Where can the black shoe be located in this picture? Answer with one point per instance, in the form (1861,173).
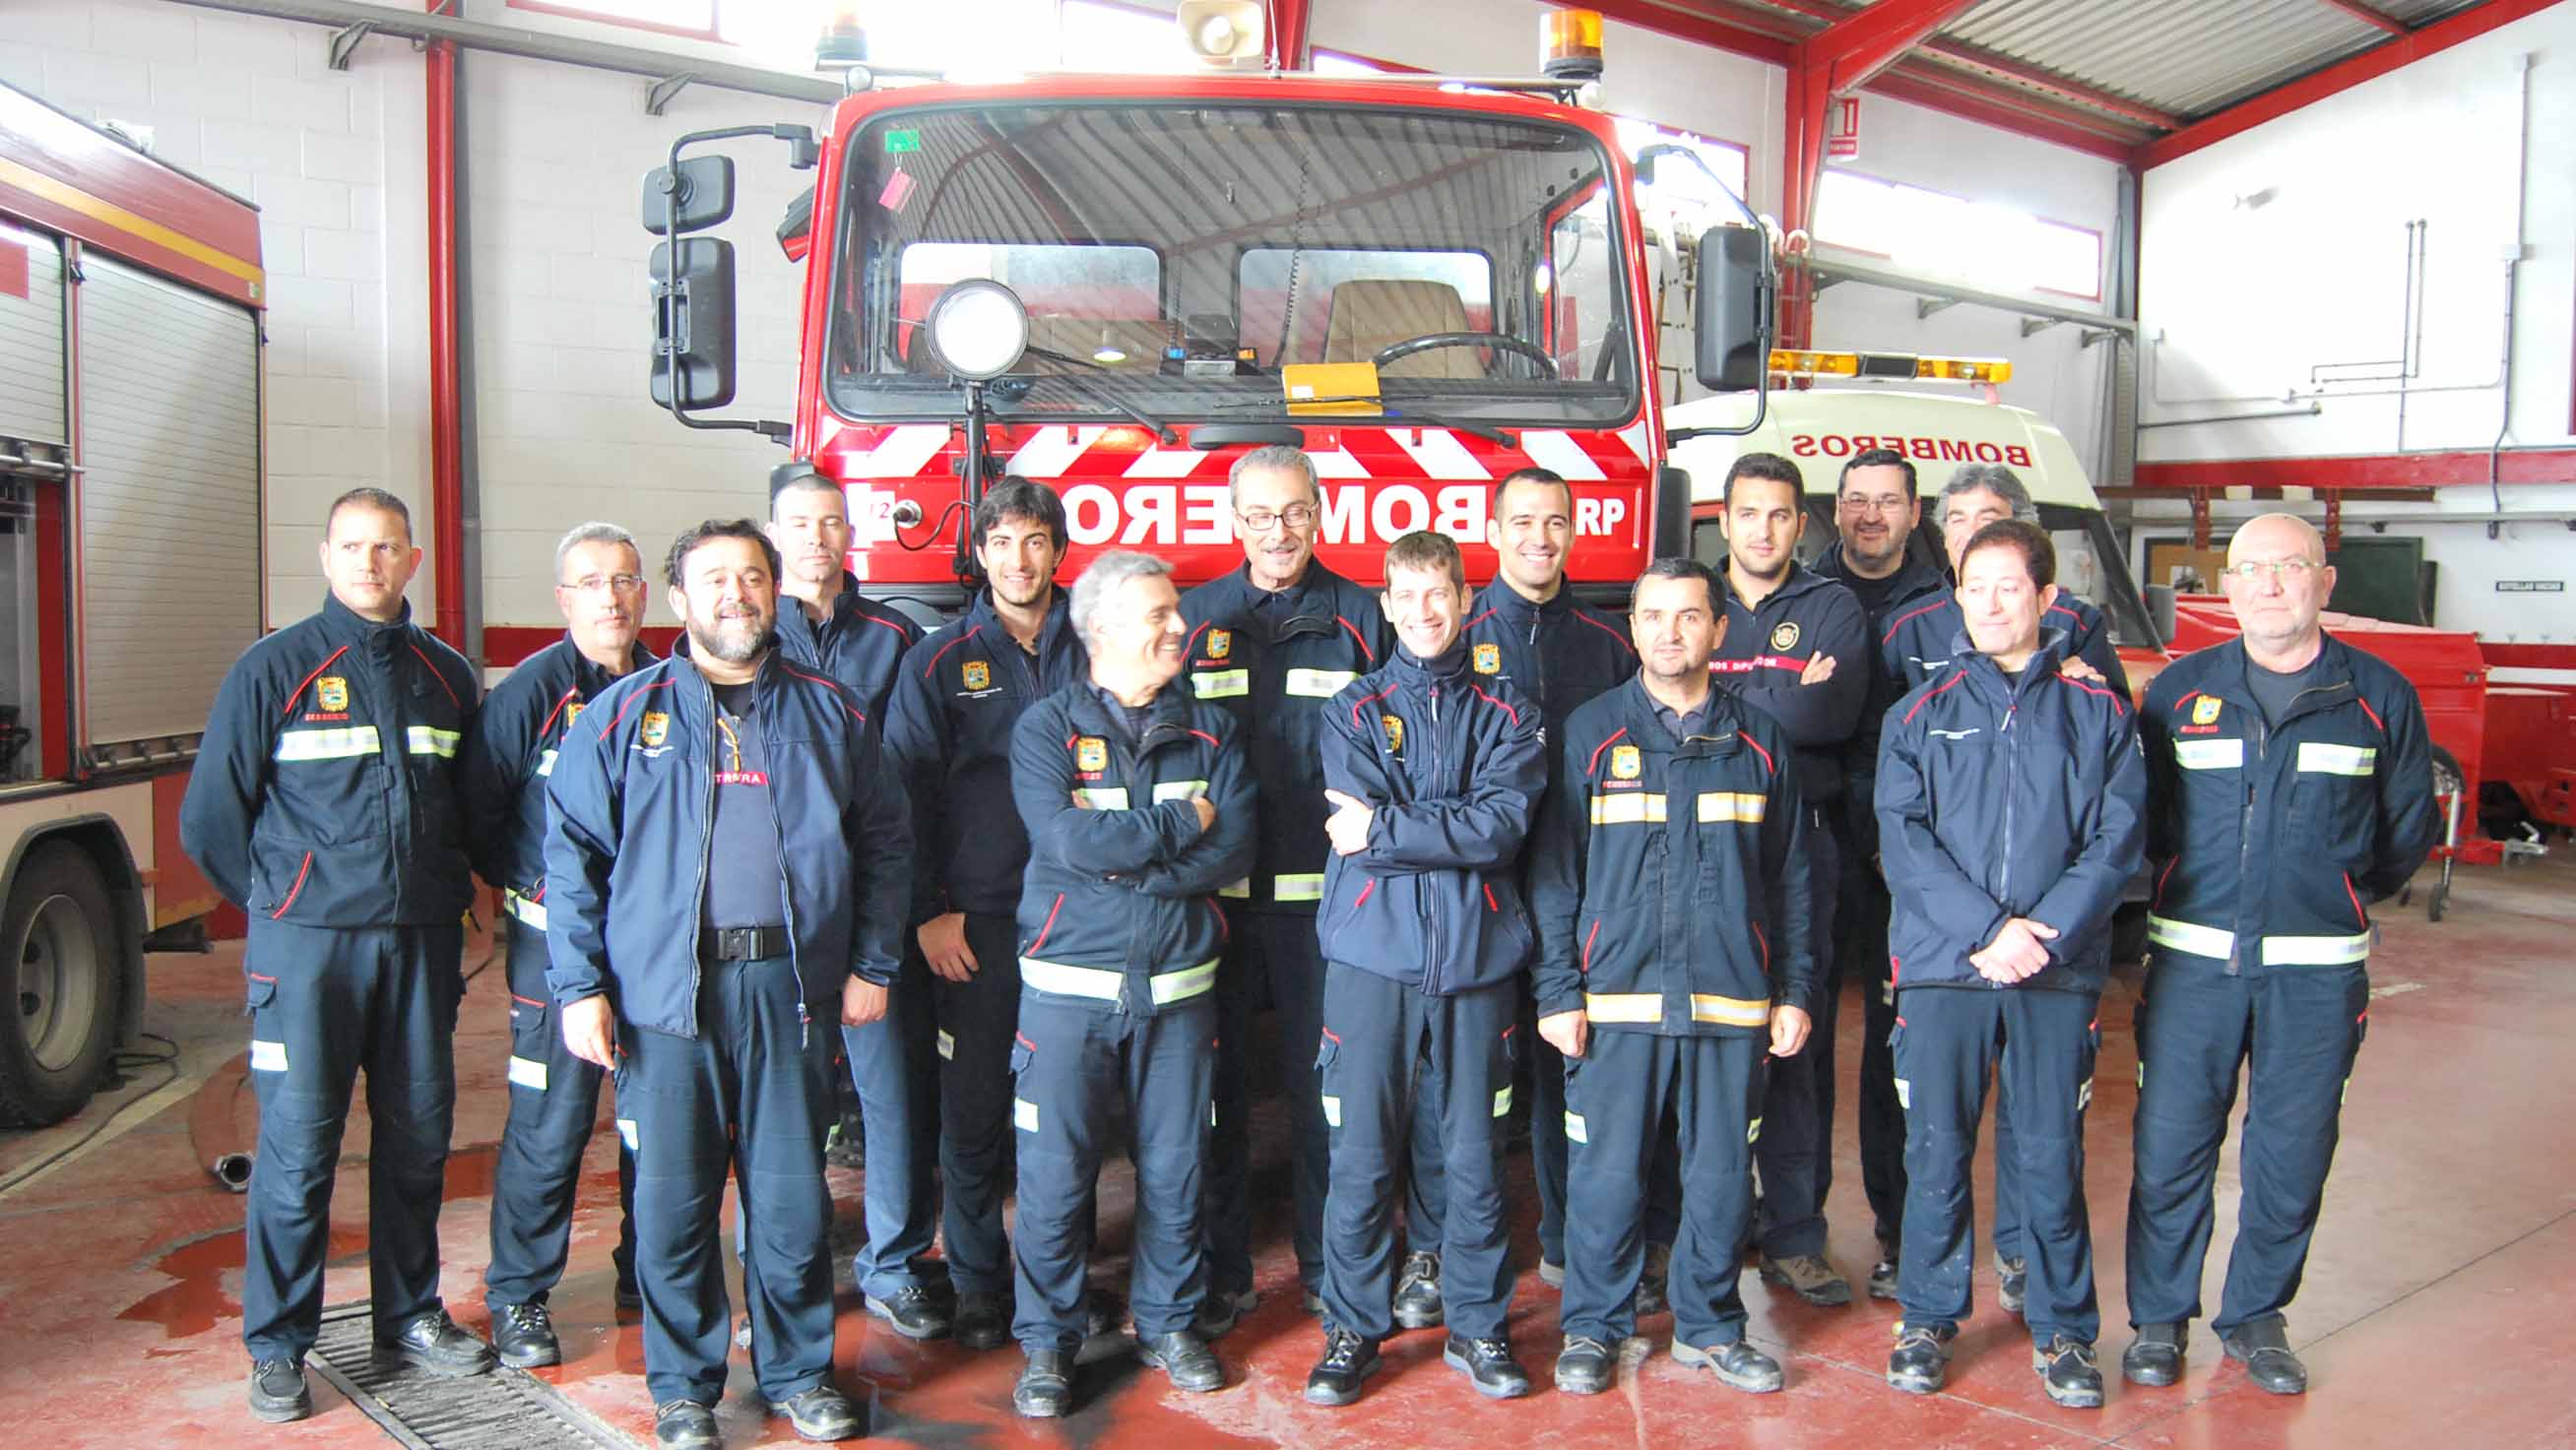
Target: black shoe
(630,1297)
(1045,1388)
(2012,1283)
(2069,1372)
(685,1425)
(2264,1349)
(1882,1275)
(1737,1366)
(1417,1293)
(1348,1359)
(1488,1365)
(1651,1298)
(1922,1359)
(2154,1358)
(821,1413)
(983,1319)
(278,1393)
(1585,1366)
(1220,1311)
(432,1344)
(1812,1277)
(523,1335)
(1311,1302)
(1102,1315)
(913,1311)
(1191,1364)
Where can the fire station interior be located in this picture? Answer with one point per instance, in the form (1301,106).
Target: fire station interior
(526,264)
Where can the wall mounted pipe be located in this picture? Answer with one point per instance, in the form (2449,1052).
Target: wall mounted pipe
(2310,411)
(446,464)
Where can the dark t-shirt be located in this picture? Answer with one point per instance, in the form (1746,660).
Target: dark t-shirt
(744,887)
(1873,592)
(2273,691)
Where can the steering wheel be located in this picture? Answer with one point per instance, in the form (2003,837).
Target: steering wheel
(1505,341)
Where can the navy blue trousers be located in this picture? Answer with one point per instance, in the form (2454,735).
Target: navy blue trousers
(324,1003)
(976,1019)
(1796,1153)
(895,1068)
(554,1103)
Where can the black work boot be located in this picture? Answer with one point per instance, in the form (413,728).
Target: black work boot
(1045,1388)
(913,1312)
(821,1413)
(432,1344)
(1921,1361)
(2012,1283)
(1585,1366)
(523,1335)
(1417,1293)
(1737,1365)
(1654,1279)
(2264,1349)
(1488,1365)
(983,1319)
(685,1425)
(1348,1359)
(2069,1372)
(1190,1363)
(278,1393)
(2154,1358)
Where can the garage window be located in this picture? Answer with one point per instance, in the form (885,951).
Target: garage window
(1930,231)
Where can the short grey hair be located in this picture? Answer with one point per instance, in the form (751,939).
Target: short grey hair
(1275,458)
(1101,578)
(1991,478)
(594,532)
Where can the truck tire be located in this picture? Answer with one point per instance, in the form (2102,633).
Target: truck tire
(59,976)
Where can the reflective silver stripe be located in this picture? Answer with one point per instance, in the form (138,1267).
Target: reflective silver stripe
(546,764)
(267,1056)
(2182,936)
(1628,808)
(531,912)
(2315,951)
(1222,684)
(1179,790)
(527,1072)
(2210,754)
(1101,797)
(1574,1129)
(1905,1092)
(1242,888)
(337,742)
(1732,805)
(626,1132)
(947,1044)
(1649,1007)
(1101,985)
(429,740)
(1024,1115)
(1184,984)
(1297,886)
(1332,1111)
(1318,684)
(2328,759)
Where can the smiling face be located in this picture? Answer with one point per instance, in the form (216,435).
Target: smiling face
(367,555)
(1137,636)
(2001,604)
(1425,606)
(1962,514)
(1875,513)
(727,599)
(1532,534)
(1277,513)
(1763,522)
(1677,628)
(1019,556)
(601,593)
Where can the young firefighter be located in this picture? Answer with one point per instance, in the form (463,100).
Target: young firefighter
(1674,947)
(2011,811)
(1432,778)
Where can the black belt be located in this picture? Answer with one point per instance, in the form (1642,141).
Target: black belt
(742,943)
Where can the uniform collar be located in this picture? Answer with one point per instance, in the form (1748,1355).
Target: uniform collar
(2230,680)
(1504,600)
(1990,676)
(1051,632)
(591,678)
(1721,721)
(1797,581)
(1911,581)
(348,626)
(1447,668)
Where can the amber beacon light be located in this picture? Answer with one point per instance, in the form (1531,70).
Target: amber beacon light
(1569,45)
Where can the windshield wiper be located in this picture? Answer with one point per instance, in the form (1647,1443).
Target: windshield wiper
(1410,413)
(1082,385)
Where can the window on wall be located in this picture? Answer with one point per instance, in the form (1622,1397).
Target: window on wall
(1931,231)
(1679,181)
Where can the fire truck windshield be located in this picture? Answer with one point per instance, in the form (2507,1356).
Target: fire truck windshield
(1174,256)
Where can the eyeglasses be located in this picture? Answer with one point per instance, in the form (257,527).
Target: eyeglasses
(598,583)
(1262,521)
(2254,570)
(1886,503)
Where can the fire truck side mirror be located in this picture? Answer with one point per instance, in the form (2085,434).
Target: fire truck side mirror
(701,193)
(1734,309)
(693,323)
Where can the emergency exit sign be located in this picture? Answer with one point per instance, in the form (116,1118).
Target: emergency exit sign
(2531,586)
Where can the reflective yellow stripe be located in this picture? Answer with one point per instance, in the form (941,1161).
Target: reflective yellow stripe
(1319,684)
(1242,888)
(2182,936)
(1502,1101)
(532,913)
(2315,951)
(2084,1095)
(2210,754)
(1222,684)
(337,742)
(1628,808)
(1179,790)
(429,740)
(527,1072)
(1731,805)
(1101,984)
(1753,1131)
(63,194)
(1297,886)
(1184,984)
(546,764)
(1101,797)
(1649,1007)
(2323,758)
(1332,1111)
(1574,1129)
(1905,1092)
(947,1045)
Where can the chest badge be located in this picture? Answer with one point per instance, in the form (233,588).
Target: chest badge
(572,713)
(1624,762)
(655,729)
(1784,636)
(1090,752)
(2204,711)
(979,675)
(1489,659)
(331,692)
(1220,643)
(1394,733)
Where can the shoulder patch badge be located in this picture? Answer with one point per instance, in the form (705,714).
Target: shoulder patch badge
(1220,643)
(656,728)
(572,712)
(1489,659)
(978,675)
(1785,635)
(1394,733)
(331,692)
(2204,711)
(1090,752)
(1624,762)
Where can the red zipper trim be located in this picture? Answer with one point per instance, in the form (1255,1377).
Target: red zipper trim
(1588,938)
(295,890)
(2358,915)
(1490,903)
(1365,888)
(1050,924)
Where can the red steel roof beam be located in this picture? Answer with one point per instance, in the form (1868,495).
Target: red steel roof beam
(1717,27)
(1290,23)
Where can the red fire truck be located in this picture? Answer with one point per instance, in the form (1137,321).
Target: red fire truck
(131,547)
(1115,285)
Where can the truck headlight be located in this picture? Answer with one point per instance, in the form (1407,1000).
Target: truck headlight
(978,328)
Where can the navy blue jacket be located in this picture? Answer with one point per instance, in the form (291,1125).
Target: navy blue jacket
(1271,661)
(325,791)
(960,693)
(2286,832)
(1561,655)
(632,822)
(860,643)
(1671,890)
(1454,771)
(1915,581)
(1918,642)
(2003,796)
(511,752)
(1126,882)
(1766,649)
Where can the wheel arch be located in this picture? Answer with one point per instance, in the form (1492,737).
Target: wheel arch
(98,837)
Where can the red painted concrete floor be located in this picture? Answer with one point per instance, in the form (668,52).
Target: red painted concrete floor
(2436,1311)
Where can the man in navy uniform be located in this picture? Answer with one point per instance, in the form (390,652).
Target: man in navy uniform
(725,878)
(957,699)
(554,1096)
(2291,788)
(325,804)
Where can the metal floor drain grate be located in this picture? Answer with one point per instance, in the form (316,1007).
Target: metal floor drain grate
(504,1410)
